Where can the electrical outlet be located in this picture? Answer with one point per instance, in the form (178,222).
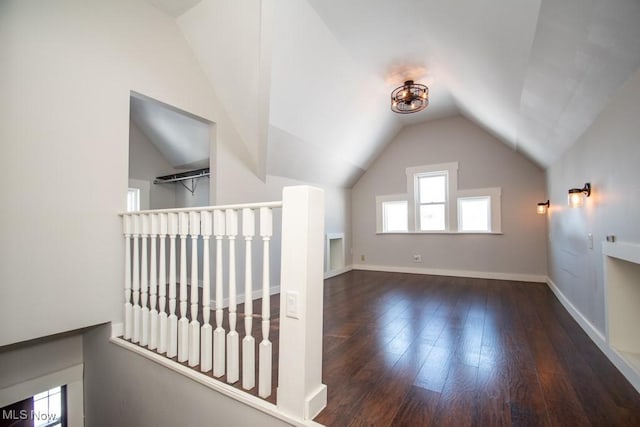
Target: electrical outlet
(361,257)
(417,258)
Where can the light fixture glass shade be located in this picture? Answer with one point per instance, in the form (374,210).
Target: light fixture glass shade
(578,195)
(576,198)
(409,98)
(542,208)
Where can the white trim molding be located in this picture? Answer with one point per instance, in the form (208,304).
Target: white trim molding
(518,277)
(596,336)
(337,272)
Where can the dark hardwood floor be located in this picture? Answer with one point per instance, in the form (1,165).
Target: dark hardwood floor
(415,350)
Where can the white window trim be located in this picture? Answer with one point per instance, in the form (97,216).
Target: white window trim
(495,195)
(380,215)
(451,209)
(145,191)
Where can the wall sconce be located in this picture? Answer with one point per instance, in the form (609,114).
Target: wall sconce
(577,195)
(542,207)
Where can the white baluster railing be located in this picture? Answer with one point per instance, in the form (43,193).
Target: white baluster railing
(128,307)
(153,283)
(206,333)
(144,282)
(162,285)
(248,342)
(150,321)
(183,322)
(135,336)
(172,336)
(194,326)
(266,352)
(219,335)
(233,346)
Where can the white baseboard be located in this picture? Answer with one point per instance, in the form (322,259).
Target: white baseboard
(456,273)
(337,272)
(597,337)
(257,294)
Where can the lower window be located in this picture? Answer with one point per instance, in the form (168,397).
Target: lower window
(474,214)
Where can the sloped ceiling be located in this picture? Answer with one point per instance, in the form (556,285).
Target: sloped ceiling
(533,73)
(183,140)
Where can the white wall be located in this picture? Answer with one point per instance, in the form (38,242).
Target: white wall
(235,183)
(607,155)
(145,164)
(68,69)
(483,162)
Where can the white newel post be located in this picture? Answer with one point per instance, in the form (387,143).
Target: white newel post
(219,333)
(128,307)
(233,345)
(183,321)
(206,332)
(248,342)
(172,320)
(153,284)
(194,326)
(300,389)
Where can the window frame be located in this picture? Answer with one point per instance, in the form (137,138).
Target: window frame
(380,201)
(413,174)
(495,205)
(450,170)
(420,203)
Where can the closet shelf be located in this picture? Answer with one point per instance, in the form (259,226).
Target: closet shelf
(183,176)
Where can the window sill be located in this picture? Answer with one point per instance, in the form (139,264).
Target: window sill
(494,233)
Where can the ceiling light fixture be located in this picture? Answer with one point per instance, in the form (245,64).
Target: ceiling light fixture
(409,98)
(578,195)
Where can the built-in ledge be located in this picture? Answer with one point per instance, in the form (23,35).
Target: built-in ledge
(622,297)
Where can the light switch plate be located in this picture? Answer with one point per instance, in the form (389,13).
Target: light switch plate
(293,304)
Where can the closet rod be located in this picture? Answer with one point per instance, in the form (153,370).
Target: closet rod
(198,173)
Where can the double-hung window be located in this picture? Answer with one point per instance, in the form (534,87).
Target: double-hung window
(434,204)
(432,201)
(431,189)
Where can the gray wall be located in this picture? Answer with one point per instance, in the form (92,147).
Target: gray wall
(608,156)
(483,162)
(125,389)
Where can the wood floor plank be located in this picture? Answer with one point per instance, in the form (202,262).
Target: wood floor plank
(419,350)
(417,409)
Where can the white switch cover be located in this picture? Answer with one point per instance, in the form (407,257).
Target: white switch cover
(292,304)
(590,240)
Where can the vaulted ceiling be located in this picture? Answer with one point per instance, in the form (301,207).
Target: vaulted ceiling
(307,82)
